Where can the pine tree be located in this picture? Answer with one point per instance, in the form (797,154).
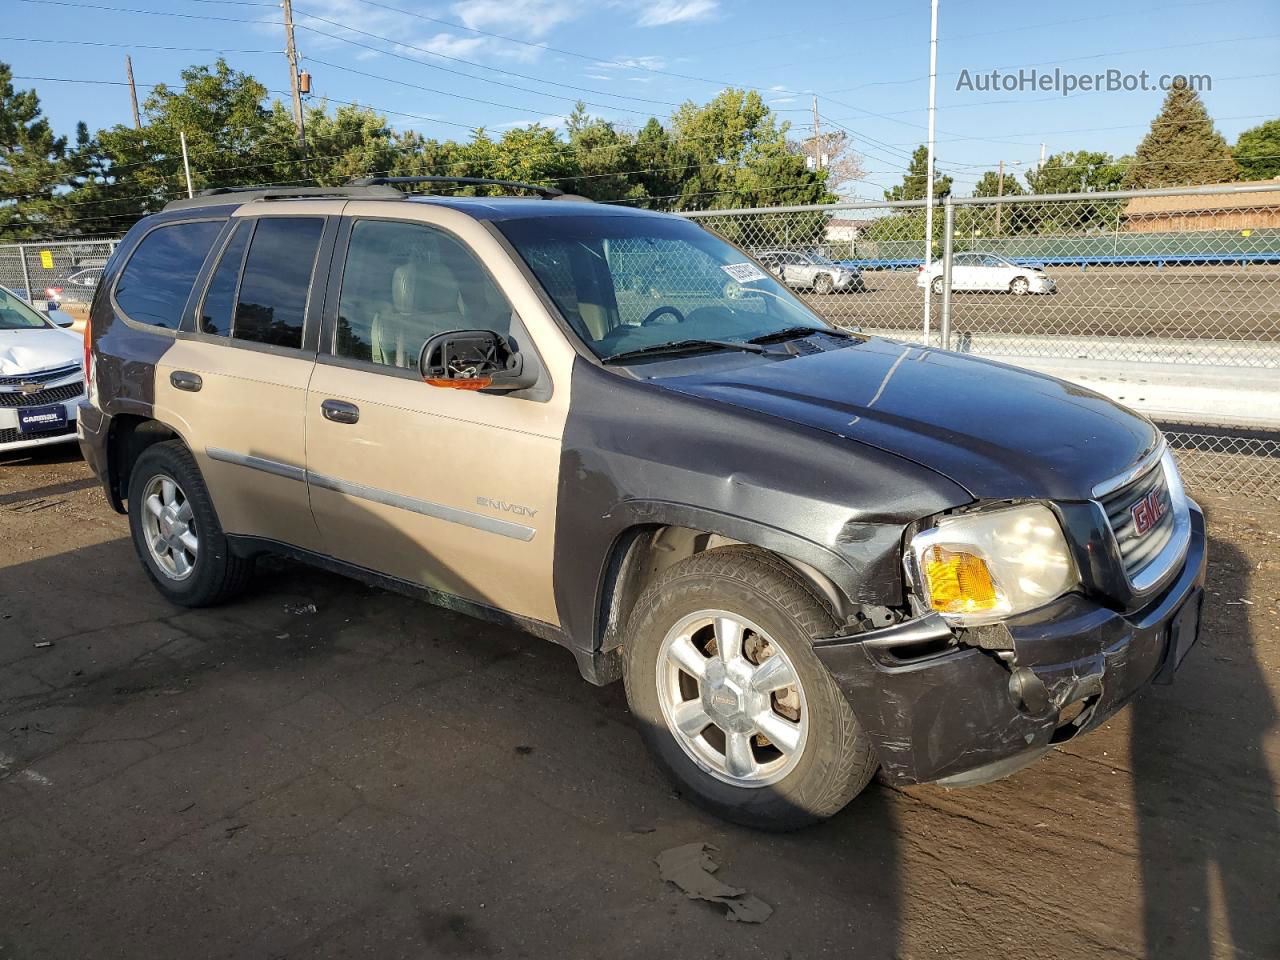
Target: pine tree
(33,163)
(914,184)
(1182,147)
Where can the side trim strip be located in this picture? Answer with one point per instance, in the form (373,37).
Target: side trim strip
(274,467)
(477,521)
(504,528)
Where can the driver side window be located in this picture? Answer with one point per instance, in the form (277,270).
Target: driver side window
(405,282)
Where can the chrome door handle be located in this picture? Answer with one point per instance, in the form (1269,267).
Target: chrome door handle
(182,380)
(339,411)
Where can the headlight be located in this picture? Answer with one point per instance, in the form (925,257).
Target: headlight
(982,567)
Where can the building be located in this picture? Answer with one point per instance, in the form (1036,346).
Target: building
(845,231)
(1248,210)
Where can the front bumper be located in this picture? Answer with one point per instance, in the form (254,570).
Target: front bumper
(12,439)
(962,715)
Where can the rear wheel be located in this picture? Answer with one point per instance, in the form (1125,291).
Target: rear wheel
(1020,286)
(732,700)
(176,531)
(937,286)
(822,283)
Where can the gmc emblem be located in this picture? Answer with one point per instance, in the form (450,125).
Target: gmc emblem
(1147,512)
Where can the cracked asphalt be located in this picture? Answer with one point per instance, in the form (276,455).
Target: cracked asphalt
(383,778)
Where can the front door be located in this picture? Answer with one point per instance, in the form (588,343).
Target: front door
(450,489)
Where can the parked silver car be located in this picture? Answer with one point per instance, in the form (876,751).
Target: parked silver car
(811,271)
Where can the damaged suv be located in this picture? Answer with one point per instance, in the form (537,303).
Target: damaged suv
(810,554)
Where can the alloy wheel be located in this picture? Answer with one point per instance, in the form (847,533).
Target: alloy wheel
(732,698)
(169,527)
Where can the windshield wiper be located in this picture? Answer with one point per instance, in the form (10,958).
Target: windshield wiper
(793,333)
(683,346)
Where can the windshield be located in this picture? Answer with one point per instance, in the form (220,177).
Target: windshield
(16,315)
(625,283)
(819,258)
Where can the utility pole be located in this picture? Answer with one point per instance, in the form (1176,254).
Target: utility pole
(186,163)
(1041,164)
(133,91)
(817,138)
(928,210)
(291,54)
(999,194)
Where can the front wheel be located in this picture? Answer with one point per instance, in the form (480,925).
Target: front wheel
(176,531)
(1020,286)
(732,700)
(822,283)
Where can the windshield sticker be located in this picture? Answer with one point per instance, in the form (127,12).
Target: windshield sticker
(743,272)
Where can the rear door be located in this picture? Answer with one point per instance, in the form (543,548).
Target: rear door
(238,370)
(449,489)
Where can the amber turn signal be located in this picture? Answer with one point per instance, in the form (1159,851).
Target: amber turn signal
(958,582)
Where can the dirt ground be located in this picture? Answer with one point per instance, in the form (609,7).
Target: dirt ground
(382,778)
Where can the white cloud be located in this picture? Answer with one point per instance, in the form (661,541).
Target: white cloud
(659,13)
(554,122)
(647,62)
(522,18)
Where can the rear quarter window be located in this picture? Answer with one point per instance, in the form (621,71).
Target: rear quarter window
(155,283)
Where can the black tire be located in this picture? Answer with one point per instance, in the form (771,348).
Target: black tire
(822,283)
(837,760)
(1020,286)
(217,574)
(937,286)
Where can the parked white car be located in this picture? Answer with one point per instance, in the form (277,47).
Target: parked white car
(811,271)
(41,375)
(987,272)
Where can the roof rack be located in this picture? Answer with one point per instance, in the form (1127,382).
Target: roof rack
(547,193)
(217,195)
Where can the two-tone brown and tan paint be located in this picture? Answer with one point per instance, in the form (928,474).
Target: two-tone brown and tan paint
(415,489)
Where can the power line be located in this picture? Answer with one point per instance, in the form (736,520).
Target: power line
(135,46)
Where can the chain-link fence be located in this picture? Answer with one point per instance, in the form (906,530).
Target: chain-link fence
(63,270)
(1139,279)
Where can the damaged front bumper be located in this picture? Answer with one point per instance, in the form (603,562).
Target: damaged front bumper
(962,714)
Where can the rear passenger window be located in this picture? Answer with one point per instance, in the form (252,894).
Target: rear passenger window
(155,283)
(276,281)
(220,300)
(404,283)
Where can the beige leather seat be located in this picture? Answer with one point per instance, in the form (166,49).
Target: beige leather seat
(426,299)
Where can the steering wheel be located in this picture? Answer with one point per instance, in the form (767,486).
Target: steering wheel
(654,315)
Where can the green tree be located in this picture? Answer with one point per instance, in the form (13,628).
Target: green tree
(915,183)
(989,185)
(34,164)
(1257,151)
(1182,148)
(732,152)
(1077,171)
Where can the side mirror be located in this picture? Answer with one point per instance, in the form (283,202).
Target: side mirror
(474,360)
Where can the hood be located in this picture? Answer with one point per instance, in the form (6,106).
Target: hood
(998,431)
(33,350)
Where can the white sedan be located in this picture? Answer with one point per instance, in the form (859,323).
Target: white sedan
(41,376)
(986,272)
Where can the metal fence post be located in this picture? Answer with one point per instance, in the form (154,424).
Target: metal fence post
(26,274)
(948,244)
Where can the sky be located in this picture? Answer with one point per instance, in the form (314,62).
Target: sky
(444,67)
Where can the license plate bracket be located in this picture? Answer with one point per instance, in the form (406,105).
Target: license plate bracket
(42,419)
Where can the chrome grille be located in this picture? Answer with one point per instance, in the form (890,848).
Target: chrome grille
(68,391)
(1139,549)
(42,376)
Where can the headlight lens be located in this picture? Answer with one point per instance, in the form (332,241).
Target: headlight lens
(982,567)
